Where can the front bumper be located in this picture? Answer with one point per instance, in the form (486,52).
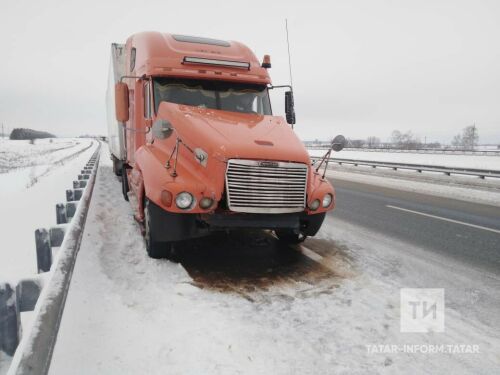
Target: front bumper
(168,226)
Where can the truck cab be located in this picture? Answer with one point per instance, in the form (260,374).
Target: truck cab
(193,136)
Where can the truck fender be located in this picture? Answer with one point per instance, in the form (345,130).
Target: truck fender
(137,185)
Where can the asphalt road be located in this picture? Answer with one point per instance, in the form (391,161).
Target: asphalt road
(466,231)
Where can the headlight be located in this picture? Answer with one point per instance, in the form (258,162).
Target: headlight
(327,200)
(314,205)
(184,200)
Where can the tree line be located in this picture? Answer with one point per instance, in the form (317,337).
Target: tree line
(30,134)
(467,140)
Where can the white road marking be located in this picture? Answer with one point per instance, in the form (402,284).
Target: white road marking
(445,219)
(311,254)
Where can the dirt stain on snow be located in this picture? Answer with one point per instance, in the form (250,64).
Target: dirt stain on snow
(250,262)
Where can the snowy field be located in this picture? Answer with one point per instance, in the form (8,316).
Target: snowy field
(460,161)
(33,179)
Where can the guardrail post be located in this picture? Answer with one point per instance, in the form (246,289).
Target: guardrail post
(74,194)
(56,235)
(10,322)
(78,194)
(43,250)
(70,210)
(28,291)
(61,214)
(79,184)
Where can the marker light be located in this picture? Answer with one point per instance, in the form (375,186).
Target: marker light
(266,61)
(228,63)
(184,200)
(166,198)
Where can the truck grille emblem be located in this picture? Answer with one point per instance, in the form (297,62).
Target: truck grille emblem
(272,164)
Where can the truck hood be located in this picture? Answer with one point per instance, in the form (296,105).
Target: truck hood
(227,135)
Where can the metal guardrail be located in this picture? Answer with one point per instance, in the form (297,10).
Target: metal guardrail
(481,173)
(416,151)
(46,293)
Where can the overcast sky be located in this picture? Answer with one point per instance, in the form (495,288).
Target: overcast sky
(360,68)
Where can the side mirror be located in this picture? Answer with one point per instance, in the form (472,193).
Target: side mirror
(338,143)
(162,129)
(289,107)
(121,102)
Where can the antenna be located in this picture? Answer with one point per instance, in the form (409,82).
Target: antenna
(289,58)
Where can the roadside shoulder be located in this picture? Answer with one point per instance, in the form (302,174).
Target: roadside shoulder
(488,194)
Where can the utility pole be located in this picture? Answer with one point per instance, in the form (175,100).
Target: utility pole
(3,134)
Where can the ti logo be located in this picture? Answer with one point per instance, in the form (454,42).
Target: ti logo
(422,310)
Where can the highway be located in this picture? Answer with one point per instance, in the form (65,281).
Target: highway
(468,232)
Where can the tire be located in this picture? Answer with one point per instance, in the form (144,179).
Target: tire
(125,187)
(289,236)
(155,249)
(117,166)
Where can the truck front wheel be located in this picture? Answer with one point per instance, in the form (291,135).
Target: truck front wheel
(155,249)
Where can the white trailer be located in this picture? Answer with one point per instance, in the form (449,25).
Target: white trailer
(116,130)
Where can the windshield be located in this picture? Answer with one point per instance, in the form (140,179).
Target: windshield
(226,96)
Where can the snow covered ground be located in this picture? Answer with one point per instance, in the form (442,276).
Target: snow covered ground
(243,305)
(463,161)
(33,179)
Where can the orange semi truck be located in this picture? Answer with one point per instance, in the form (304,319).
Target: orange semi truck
(193,137)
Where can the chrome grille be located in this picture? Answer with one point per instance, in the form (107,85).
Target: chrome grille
(266,186)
